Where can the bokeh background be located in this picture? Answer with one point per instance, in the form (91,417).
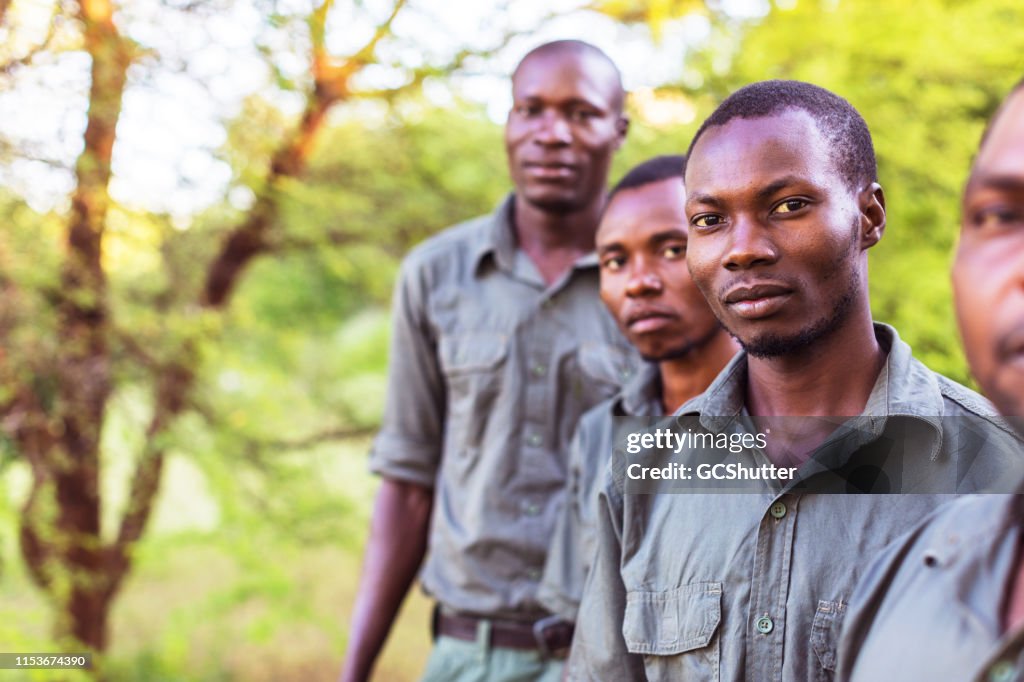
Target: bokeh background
(203,204)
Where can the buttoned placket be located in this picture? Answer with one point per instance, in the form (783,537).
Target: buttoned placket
(539,345)
(769,583)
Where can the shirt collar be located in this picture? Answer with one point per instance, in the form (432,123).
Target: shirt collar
(499,241)
(641,396)
(904,388)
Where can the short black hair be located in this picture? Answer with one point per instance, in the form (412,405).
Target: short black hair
(839,123)
(650,171)
(577,47)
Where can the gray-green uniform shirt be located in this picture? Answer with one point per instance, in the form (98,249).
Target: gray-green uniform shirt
(755,586)
(931,607)
(572,545)
(490,370)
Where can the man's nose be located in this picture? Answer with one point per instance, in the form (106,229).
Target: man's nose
(643,282)
(553,129)
(750,245)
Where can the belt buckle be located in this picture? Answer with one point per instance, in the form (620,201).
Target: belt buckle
(539,628)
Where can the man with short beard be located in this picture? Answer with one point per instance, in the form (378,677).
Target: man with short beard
(499,344)
(783,204)
(641,246)
(947,601)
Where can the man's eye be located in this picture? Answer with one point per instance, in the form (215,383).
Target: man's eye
(527,109)
(998,218)
(708,220)
(790,205)
(612,263)
(582,114)
(674,251)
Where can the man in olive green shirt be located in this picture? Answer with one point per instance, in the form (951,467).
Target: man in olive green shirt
(947,601)
(783,204)
(499,344)
(641,246)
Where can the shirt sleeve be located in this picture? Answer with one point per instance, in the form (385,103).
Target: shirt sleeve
(867,601)
(598,648)
(409,444)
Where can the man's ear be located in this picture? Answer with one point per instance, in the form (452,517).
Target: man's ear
(622,128)
(871,202)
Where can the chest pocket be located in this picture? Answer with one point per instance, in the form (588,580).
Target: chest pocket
(828,619)
(676,631)
(473,365)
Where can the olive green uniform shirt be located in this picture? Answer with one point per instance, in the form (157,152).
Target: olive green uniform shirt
(572,546)
(490,370)
(931,607)
(754,586)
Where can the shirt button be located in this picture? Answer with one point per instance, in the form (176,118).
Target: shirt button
(1001,671)
(533,574)
(539,370)
(778,510)
(764,625)
(531,509)
(534,440)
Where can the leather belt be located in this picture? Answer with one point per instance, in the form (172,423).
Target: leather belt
(550,636)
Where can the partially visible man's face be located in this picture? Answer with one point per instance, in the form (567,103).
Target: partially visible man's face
(641,244)
(564,127)
(988,273)
(774,232)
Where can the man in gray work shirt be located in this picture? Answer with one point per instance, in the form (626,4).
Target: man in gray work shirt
(641,246)
(500,343)
(783,204)
(947,601)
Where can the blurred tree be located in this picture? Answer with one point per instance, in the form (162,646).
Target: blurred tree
(87,313)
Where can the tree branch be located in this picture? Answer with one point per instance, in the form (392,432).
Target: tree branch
(172,390)
(314,439)
(37,552)
(249,239)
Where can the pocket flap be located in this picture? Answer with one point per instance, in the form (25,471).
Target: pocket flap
(472,352)
(667,623)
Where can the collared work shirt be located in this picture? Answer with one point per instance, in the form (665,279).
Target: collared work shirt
(572,545)
(754,586)
(931,607)
(490,370)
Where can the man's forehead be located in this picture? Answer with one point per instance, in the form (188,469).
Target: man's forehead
(1002,153)
(653,205)
(785,130)
(566,67)
(735,154)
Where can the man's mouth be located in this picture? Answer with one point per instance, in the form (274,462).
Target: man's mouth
(1010,348)
(756,301)
(549,170)
(646,321)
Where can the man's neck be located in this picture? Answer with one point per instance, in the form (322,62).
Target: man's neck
(689,376)
(834,377)
(554,241)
